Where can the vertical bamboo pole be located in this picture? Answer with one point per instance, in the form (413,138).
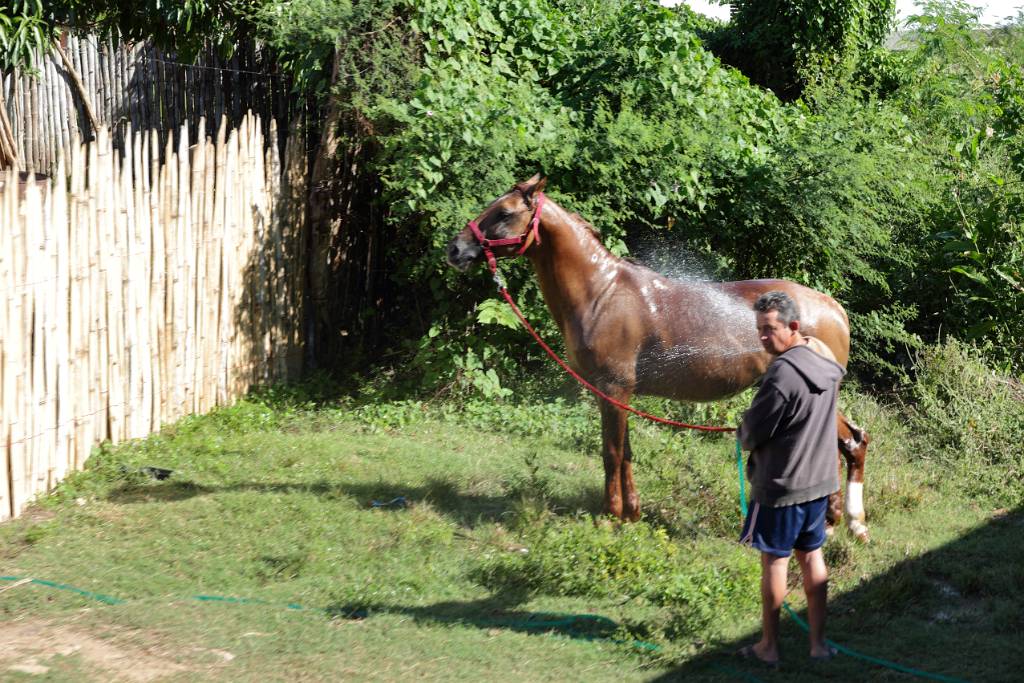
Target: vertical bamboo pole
(69,120)
(211,248)
(132,95)
(14,373)
(97,323)
(29,132)
(184,299)
(131,279)
(58,115)
(48,119)
(229,313)
(216,212)
(78,234)
(61,331)
(142,283)
(157,279)
(244,301)
(93,65)
(6,332)
(35,308)
(261,249)
(112,257)
(18,117)
(50,291)
(110,89)
(28,215)
(167,206)
(201,305)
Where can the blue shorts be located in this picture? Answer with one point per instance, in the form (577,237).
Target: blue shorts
(779,531)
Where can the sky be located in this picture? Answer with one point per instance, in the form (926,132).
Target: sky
(994,10)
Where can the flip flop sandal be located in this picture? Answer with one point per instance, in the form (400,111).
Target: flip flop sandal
(828,657)
(748,653)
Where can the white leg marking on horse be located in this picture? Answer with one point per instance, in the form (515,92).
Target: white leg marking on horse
(855,500)
(855,510)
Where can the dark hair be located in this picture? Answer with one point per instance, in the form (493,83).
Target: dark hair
(779,302)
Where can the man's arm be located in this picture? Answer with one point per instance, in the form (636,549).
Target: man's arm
(763,418)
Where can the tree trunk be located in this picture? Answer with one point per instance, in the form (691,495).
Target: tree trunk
(323,222)
(343,248)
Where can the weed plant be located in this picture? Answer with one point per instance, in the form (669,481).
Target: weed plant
(970,418)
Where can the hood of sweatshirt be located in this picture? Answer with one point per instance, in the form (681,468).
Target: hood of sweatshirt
(819,372)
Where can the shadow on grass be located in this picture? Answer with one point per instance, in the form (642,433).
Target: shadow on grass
(496,612)
(956,612)
(444,495)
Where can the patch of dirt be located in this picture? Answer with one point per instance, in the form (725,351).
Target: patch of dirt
(36,513)
(28,647)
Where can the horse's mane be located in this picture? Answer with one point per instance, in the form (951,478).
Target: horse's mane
(586,224)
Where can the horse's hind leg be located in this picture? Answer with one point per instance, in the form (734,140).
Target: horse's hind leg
(853,445)
(630,499)
(834,511)
(613,452)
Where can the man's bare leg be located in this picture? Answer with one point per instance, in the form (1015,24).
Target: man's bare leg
(815,575)
(774,572)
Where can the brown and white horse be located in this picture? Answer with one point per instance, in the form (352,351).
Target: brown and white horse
(629,330)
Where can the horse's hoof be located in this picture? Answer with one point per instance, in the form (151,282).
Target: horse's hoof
(859,531)
(631,515)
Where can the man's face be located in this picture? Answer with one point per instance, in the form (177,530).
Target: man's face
(776,336)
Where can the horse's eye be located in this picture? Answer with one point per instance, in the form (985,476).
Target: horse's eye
(503,214)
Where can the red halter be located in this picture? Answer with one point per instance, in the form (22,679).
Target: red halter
(526,239)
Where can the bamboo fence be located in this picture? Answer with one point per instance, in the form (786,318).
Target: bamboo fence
(133,86)
(134,292)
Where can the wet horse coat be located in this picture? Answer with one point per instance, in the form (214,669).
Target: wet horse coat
(629,330)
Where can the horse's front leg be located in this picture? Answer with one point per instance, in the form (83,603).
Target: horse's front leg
(853,445)
(620,497)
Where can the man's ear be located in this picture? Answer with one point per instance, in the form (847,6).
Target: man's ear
(530,188)
(794,325)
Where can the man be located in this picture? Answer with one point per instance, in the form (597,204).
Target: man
(790,431)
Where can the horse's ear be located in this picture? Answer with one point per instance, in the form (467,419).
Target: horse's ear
(531,187)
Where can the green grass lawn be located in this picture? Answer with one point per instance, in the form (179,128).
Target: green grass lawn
(498,568)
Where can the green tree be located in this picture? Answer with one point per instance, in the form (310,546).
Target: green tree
(965,99)
(786,44)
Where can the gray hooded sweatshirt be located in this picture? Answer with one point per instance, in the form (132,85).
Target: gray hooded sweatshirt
(790,429)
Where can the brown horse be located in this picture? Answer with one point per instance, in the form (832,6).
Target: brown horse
(629,330)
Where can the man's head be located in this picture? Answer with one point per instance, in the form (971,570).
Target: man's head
(778,322)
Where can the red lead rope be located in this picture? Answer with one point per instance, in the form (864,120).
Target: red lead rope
(588,385)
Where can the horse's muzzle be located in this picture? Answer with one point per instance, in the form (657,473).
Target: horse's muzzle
(462,254)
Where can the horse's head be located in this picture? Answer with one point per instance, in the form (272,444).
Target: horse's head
(505,228)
